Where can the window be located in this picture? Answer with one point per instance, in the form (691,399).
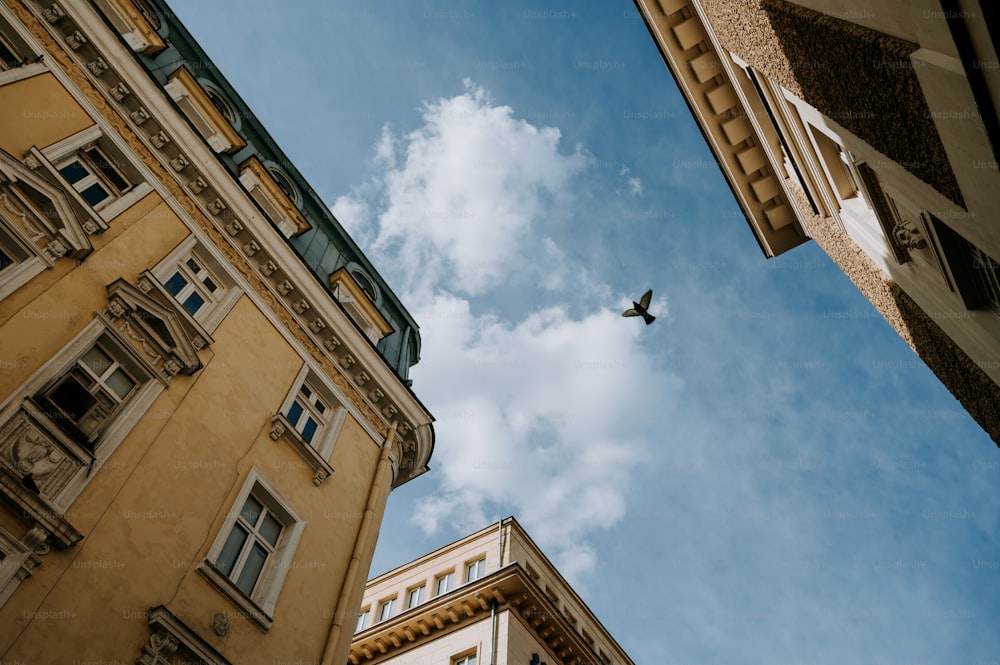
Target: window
(220,104)
(308,412)
(444,584)
(85,399)
(415,596)
(474,570)
(976,275)
(93,165)
(310,420)
(386,609)
(9,58)
(15,53)
(92,173)
(254,549)
(199,282)
(363,619)
(250,544)
(192,284)
(469,659)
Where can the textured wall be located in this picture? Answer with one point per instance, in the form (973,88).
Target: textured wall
(861,78)
(978,394)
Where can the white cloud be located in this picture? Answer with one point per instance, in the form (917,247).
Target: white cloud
(464,190)
(542,416)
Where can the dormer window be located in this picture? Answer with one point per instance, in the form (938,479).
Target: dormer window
(286,186)
(211,117)
(220,103)
(365,284)
(136,21)
(359,304)
(267,191)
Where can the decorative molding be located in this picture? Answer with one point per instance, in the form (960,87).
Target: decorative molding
(281,428)
(170,634)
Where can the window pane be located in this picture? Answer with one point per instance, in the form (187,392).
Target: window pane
(251,568)
(193,265)
(270,530)
(72,398)
(120,382)
(193,303)
(231,550)
(104,165)
(97,360)
(5,260)
(176,283)
(294,413)
(74,171)
(251,510)
(94,194)
(210,285)
(309,431)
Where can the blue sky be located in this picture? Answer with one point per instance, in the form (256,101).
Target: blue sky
(767,474)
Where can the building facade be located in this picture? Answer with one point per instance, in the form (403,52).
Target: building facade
(491,598)
(204,391)
(870,127)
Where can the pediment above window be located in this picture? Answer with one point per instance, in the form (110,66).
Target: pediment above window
(160,333)
(359,305)
(45,215)
(269,195)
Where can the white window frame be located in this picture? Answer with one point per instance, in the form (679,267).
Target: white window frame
(259,607)
(363,616)
(25,262)
(217,305)
(465,659)
(475,570)
(421,592)
(64,151)
(448,578)
(326,437)
(124,419)
(386,609)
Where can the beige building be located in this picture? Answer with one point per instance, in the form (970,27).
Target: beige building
(204,392)
(491,598)
(870,127)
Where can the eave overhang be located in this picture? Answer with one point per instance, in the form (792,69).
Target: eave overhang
(694,61)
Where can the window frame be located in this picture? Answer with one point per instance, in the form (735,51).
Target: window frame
(467,658)
(319,449)
(260,604)
(62,152)
(420,590)
(386,609)
(217,305)
(450,577)
(364,615)
(478,566)
(111,435)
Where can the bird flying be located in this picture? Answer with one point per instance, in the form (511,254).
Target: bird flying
(639,308)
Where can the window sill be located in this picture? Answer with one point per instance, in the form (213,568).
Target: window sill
(280,427)
(249,608)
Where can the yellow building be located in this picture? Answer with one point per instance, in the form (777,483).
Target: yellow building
(491,598)
(870,127)
(204,392)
